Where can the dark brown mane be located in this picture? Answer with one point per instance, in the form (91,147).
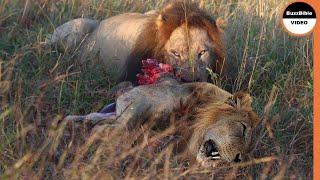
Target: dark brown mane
(151,42)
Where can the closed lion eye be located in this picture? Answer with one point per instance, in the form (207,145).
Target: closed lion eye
(244,129)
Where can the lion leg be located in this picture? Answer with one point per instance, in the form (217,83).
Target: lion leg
(134,114)
(93,118)
(69,35)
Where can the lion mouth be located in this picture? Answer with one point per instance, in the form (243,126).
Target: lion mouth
(209,155)
(210,150)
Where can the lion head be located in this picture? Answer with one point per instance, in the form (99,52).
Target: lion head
(186,37)
(223,130)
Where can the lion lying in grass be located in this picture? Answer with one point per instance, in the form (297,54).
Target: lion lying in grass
(217,126)
(177,34)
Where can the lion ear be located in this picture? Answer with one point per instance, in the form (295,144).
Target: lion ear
(254,118)
(221,24)
(163,18)
(240,100)
(243,101)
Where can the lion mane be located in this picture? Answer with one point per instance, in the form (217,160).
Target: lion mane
(152,40)
(238,105)
(205,110)
(122,41)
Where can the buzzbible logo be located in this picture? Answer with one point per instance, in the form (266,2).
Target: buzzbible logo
(299,18)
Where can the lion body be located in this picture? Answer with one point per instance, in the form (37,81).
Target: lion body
(199,112)
(109,41)
(156,101)
(122,41)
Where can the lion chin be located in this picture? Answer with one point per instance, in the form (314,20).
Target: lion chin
(180,34)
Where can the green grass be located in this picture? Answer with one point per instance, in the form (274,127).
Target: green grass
(38,85)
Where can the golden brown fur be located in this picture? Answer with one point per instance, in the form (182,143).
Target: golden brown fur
(178,13)
(209,109)
(198,111)
(180,34)
(237,108)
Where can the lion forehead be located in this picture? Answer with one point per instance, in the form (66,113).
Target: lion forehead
(195,37)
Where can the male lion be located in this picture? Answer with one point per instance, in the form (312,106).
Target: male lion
(180,34)
(213,126)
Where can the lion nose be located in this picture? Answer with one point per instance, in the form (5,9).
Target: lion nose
(238,158)
(210,147)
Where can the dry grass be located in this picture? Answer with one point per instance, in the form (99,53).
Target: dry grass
(38,86)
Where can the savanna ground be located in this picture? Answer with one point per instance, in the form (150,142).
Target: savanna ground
(39,85)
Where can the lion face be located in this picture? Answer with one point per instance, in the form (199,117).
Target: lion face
(226,140)
(224,131)
(189,50)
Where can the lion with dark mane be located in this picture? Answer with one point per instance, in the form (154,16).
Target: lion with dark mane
(180,34)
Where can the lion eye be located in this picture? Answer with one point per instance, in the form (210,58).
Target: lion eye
(176,53)
(202,52)
(244,129)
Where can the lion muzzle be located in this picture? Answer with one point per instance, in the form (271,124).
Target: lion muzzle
(212,152)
